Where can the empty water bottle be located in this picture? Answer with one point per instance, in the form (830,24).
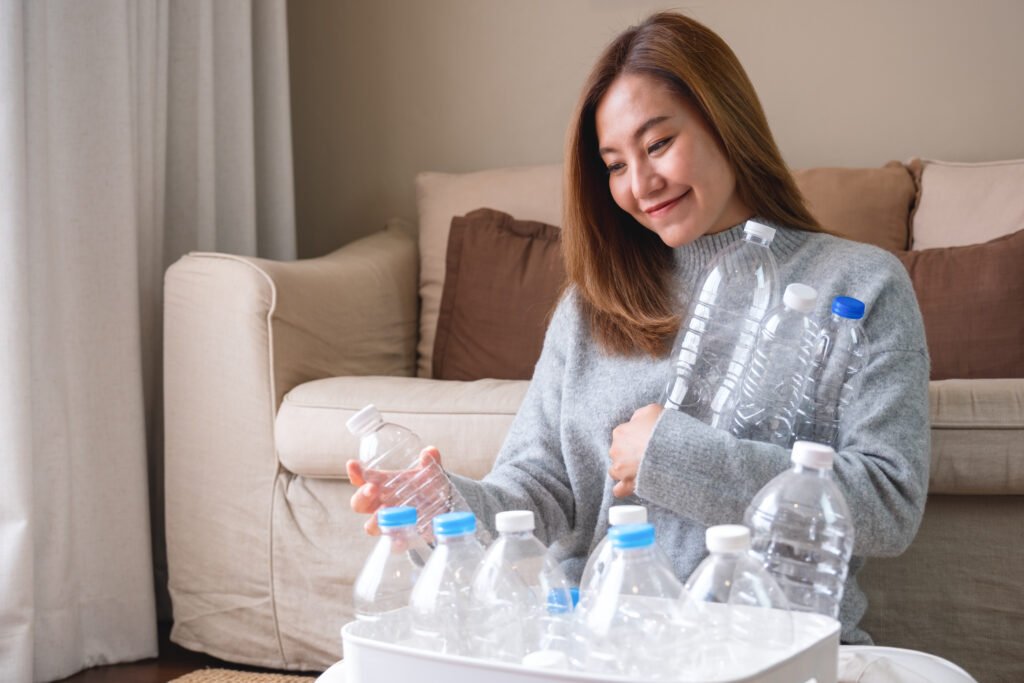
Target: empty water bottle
(741,612)
(441,604)
(601,556)
(840,353)
(520,595)
(802,530)
(633,626)
(382,589)
(736,288)
(770,393)
(390,455)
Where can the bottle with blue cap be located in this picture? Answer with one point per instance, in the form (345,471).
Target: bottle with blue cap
(382,589)
(802,530)
(737,606)
(633,626)
(770,392)
(521,595)
(734,292)
(833,381)
(441,603)
(601,556)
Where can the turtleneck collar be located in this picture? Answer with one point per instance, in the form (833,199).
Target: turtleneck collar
(692,257)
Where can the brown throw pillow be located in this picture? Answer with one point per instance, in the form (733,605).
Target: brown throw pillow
(972,301)
(862,204)
(503,278)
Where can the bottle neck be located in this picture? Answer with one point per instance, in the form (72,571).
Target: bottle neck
(456,539)
(759,241)
(822,472)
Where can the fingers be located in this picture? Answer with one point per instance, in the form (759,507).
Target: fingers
(624,488)
(370,526)
(429,455)
(354,469)
(366,499)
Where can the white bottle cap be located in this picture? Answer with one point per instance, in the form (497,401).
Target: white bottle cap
(546,659)
(800,297)
(364,420)
(727,538)
(627,514)
(514,520)
(765,232)
(815,455)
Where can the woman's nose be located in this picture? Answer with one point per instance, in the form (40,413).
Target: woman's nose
(646,181)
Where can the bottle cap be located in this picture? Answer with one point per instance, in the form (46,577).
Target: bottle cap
(800,297)
(815,455)
(546,659)
(632,535)
(560,601)
(514,520)
(727,538)
(765,232)
(848,307)
(395,517)
(363,421)
(454,524)
(627,514)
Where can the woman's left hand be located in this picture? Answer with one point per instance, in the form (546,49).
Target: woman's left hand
(629,441)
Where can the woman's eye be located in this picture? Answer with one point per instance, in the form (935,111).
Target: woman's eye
(660,144)
(615,168)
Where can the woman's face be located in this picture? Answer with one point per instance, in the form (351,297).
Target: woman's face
(665,167)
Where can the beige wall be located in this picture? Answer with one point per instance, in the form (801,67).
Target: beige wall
(382,89)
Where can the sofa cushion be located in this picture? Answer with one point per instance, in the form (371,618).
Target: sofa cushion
(502,280)
(467,421)
(967,203)
(528,193)
(972,302)
(863,204)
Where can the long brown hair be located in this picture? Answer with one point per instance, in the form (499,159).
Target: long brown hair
(622,271)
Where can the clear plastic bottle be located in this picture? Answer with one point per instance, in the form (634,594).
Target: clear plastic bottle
(802,530)
(602,555)
(737,288)
(520,594)
(382,589)
(633,626)
(840,353)
(737,605)
(441,604)
(770,393)
(390,455)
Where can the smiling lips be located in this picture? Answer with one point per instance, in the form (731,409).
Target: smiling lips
(664,206)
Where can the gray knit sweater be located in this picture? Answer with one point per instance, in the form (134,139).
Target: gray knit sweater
(555,458)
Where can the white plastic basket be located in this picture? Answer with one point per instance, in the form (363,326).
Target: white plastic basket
(813,656)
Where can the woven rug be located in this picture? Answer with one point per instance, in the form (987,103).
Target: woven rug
(228,676)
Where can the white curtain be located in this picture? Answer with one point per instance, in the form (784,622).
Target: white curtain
(130,133)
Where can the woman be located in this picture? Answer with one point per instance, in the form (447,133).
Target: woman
(669,155)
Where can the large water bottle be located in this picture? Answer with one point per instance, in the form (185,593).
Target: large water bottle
(382,589)
(520,594)
(802,530)
(390,455)
(741,612)
(441,604)
(602,555)
(841,352)
(736,289)
(770,393)
(633,626)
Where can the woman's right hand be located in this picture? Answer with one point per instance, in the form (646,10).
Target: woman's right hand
(366,499)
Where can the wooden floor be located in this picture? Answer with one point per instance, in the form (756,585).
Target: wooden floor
(174,661)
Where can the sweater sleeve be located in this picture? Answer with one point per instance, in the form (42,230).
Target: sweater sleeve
(529,472)
(883,458)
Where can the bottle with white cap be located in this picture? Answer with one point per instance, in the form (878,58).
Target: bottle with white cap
(601,556)
(441,603)
(737,606)
(390,455)
(803,532)
(734,292)
(770,392)
(633,625)
(833,380)
(382,589)
(521,598)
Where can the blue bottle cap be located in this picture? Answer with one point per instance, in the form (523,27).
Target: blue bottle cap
(560,601)
(397,516)
(632,535)
(574,592)
(848,307)
(454,524)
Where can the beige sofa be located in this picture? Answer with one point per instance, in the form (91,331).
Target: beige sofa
(264,362)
